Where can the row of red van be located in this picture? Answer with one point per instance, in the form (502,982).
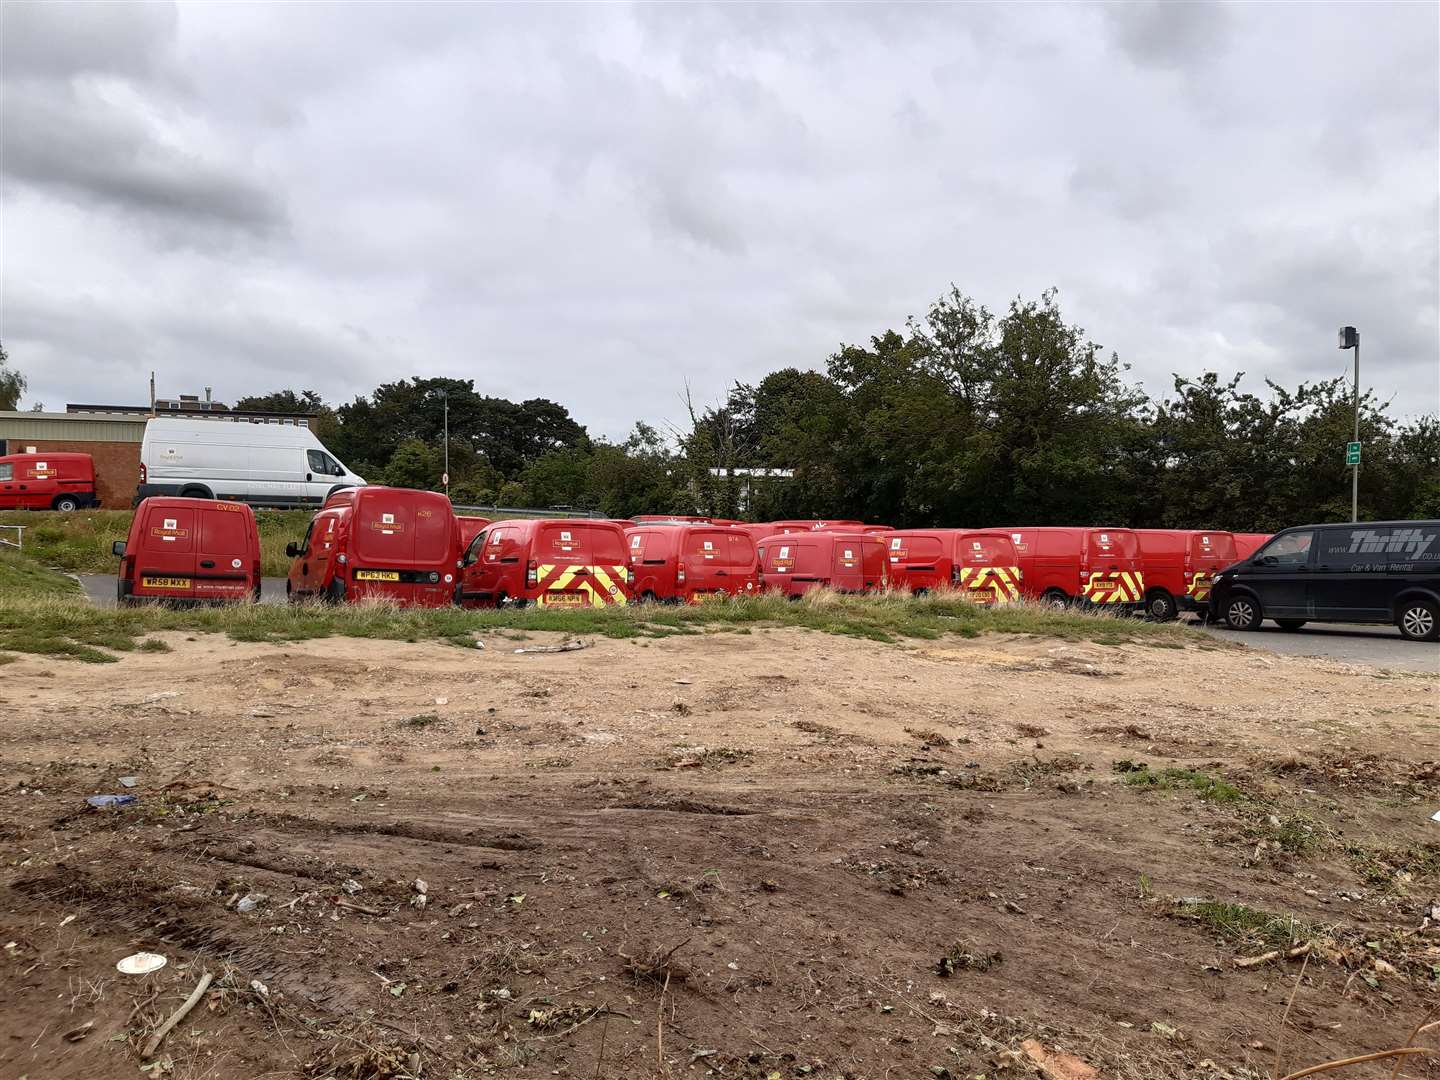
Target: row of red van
(59,481)
(409,547)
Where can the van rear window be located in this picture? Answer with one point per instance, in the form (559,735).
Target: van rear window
(1213,546)
(921,548)
(607,545)
(987,551)
(1114,542)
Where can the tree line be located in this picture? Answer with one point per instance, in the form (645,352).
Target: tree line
(959,417)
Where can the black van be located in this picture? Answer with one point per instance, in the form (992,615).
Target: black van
(1372,572)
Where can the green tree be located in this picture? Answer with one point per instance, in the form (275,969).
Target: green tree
(414,464)
(12,384)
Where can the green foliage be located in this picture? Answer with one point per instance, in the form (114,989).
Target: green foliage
(21,576)
(1209,788)
(1242,925)
(12,384)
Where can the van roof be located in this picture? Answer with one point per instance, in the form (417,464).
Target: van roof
(50,454)
(1424,524)
(175,502)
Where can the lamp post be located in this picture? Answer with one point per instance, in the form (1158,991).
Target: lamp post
(445,478)
(1350,339)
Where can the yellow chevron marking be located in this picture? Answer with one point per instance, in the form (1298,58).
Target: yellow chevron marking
(611,594)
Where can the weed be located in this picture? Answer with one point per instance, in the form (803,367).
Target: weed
(1240,924)
(1387,867)
(1209,788)
(153,645)
(423,720)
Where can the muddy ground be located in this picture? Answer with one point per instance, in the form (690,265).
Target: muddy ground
(766,855)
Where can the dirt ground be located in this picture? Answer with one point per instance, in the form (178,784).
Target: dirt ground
(768,855)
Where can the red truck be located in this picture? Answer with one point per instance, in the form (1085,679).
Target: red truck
(1179,565)
(690,563)
(549,562)
(1097,567)
(794,563)
(393,544)
(195,550)
(47,482)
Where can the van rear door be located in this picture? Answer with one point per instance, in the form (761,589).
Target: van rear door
(166,560)
(744,570)
(848,563)
(224,553)
(988,567)
(1112,567)
(706,557)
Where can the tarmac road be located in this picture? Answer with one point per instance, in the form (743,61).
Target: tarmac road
(1376,646)
(100,588)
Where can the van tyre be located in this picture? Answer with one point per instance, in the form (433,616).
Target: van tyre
(1243,613)
(336,592)
(1419,620)
(1056,599)
(67,503)
(1290,624)
(1160,606)
(196,493)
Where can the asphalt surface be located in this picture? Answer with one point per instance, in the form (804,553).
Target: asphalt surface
(1376,646)
(100,588)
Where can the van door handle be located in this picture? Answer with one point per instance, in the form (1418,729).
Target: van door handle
(308,477)
(722,573)
(208,564)
(511,559)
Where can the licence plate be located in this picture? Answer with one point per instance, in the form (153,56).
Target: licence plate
(165,582)
(377,575)
(708,597)
(566,599)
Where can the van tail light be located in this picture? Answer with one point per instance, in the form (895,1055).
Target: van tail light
(954,575)
(629,576)
(142,472)
(680,575)
(532,573)
(341,558)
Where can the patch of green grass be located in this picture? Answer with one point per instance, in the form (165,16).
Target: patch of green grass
(36,621)
(154,645)
(1244,925)
(1209,788)
(23,576)
(423,720)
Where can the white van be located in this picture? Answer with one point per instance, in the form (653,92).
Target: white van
(280,465)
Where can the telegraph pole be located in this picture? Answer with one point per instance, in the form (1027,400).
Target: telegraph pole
(1350,339)
(445,398)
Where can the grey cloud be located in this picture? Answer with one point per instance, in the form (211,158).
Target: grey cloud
(1168,33)
(1135,192)
(60,40)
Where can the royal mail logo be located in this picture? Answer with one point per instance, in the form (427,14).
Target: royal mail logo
(40,470)
(388,525)
(169,529)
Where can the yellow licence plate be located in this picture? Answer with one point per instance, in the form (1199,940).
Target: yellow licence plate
(708,597)
(377,575)
(572,599)
(165,582)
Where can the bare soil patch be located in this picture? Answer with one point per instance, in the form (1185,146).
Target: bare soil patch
(773,855)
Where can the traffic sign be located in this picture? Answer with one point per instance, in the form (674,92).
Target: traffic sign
(445,477)
(1352,453)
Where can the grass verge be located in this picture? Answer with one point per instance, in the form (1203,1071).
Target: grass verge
(20,576)
(73,627)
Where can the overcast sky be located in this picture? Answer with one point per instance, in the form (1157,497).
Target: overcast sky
(598,203)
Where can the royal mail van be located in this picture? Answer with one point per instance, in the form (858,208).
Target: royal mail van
(691,563)
(1093,567)
(980,563)
(47,482)
(794,563)
(189,550)
(470,527)
(556,562)
(1246,544)
(383,543)
(1179,565)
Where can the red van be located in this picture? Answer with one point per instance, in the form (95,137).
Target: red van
(394,544)
(1246,544)
(691,563)
(1099,567)
(981,563)
(550,562)
(794,563)
(189,549)
(1179,565)
(47,482)
(470,527)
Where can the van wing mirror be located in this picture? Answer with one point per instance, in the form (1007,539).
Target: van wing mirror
(118,548)
(292,550)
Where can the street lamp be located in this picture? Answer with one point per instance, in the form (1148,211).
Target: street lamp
(1350,339)
(445,478)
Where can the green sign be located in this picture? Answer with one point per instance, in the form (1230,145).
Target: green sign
(1352,453)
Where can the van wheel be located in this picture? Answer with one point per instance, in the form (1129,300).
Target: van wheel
(1056,599)
(1160,606)
(648,597)
(336,592)
(1243,613)
(1289,624)
(66,503)
(196,493)
(1419,620)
